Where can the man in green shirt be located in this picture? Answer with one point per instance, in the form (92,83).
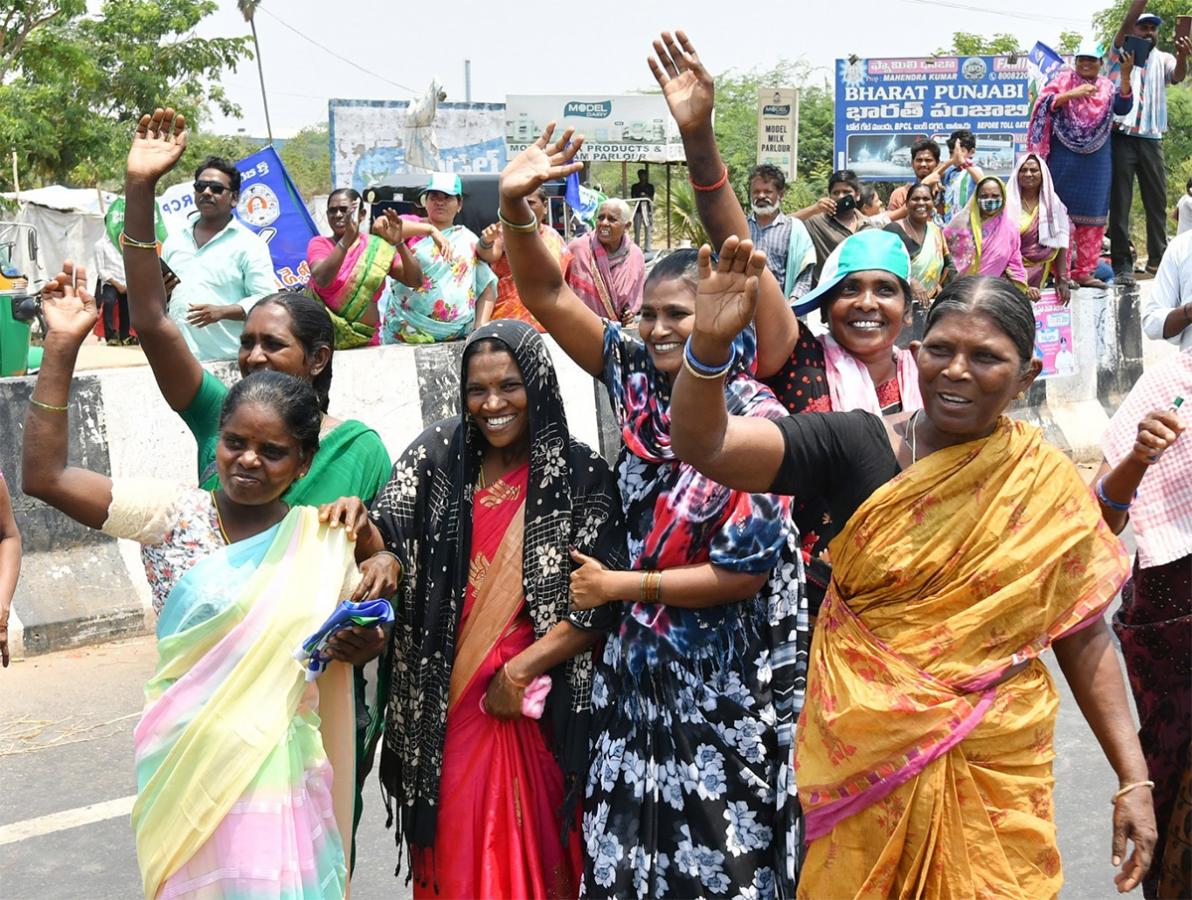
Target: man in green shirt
(223,267)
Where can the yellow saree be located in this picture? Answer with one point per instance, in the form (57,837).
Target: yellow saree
(924,748)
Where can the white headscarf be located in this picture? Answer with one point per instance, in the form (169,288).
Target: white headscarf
(1055,229)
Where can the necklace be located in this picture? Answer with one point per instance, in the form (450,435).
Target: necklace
(480,482)
(911,430)
(918,238)
(219,519)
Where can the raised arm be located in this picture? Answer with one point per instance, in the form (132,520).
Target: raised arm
(741,452)
(80,493)
(157,145)
(1136,9)
(391,228)
(690,93)
(10,565)
(540,284)
(1158,430)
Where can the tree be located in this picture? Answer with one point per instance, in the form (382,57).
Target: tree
(965,43)
(76,84)
(307,156)
(1107,22)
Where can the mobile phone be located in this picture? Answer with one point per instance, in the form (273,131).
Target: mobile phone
(1139,47)
(1183,26)
(166,271)
(845,203)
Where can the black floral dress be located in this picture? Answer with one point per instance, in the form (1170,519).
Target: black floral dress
(690,792)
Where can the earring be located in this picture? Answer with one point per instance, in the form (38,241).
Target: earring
(1021,394)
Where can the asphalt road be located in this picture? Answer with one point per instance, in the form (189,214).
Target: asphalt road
(66,722)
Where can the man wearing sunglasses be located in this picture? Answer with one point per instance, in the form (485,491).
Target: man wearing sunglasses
(223,268)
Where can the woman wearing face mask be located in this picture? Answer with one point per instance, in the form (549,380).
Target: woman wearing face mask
(1043,228)
(696,690)
(348,270)
(931,266)
(455,278)
(242,766)
(984,240)
(482,511)
(607,269)
(970,546)
(1069,128)
(863,295)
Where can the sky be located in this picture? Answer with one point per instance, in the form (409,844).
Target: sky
(392,50)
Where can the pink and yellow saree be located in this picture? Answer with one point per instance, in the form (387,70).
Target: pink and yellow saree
(924,750)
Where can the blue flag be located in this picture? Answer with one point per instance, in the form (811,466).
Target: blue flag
(271,206)
(571,193)
(1042,64)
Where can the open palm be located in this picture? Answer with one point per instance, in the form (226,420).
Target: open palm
(69,310)
(388,227)
(688,88)
(727,294)
(541,162)
(157,144)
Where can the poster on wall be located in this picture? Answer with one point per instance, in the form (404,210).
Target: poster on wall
(368,139)
(778,128)
(621,128)
(1053,336)
(884,105)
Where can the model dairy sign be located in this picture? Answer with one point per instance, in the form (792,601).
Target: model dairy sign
(629,128)
(778,128)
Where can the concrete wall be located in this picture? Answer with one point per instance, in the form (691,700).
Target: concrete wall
(78,586)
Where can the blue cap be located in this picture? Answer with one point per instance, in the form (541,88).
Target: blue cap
(1150,17)
(860,252)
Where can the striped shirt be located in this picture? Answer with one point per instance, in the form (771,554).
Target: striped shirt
(1148,116)
(774,240)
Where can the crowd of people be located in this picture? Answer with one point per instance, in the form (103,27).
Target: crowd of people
(788,644)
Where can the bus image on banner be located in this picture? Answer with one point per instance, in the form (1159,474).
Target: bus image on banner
(884,105)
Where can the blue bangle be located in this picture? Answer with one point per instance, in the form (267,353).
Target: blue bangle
(1112,504)
(704,369)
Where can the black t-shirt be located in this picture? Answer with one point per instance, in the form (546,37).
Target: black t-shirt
(641,190)
(840,456)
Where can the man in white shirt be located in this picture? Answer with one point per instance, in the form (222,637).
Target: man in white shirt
(223,268)
(1167,310)
(1183,210)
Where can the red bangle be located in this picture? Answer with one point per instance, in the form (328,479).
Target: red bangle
(720,182)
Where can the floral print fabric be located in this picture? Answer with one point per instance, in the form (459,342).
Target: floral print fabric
(690,791)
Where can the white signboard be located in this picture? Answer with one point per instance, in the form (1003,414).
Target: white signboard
(778,128)
(622,128)
(369,139)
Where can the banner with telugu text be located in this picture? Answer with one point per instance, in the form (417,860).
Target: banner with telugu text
(271,206)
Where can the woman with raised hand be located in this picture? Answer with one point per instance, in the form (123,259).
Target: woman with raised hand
(285,332)
(969,546)
(348,269)
(244,769)
(696,694)
(863,296)
(482,511)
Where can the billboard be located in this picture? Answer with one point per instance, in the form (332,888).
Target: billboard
(778,128)
(368,139)
(884,105)
(621,128)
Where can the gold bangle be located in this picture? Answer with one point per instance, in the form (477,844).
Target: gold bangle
(697,374)
(47,407)
(1130,787)
(129,241)
(513,681)
(656,587)
(529,228)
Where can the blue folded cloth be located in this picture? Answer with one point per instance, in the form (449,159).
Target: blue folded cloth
(312,652)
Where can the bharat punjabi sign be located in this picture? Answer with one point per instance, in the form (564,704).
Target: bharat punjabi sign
(624,128)
(885,105)
(778,128)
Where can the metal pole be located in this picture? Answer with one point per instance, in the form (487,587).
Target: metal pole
(261,73)
(668,206)
(468,80)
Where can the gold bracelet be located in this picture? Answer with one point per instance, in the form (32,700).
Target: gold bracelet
(697,374)
(47,407)
(529,228)
(513,681)
(129,241)
(656,593)
(1130,787)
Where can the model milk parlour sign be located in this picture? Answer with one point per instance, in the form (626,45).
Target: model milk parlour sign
(619,127)
(778,128)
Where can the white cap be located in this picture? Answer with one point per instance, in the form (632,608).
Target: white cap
(445,183)
(1090,48)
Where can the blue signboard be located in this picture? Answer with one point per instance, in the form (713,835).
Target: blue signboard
(885,105)
(272,207)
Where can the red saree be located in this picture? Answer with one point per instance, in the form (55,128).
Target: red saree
(501,789)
